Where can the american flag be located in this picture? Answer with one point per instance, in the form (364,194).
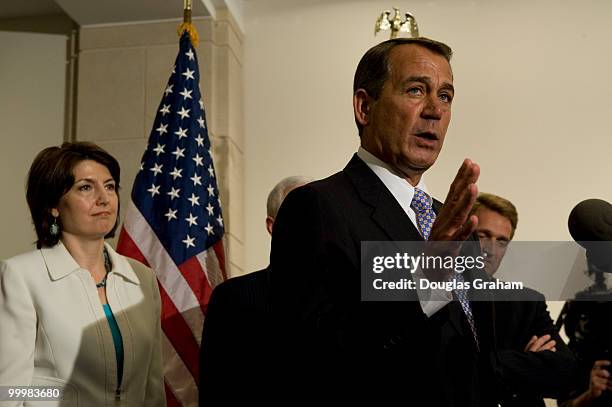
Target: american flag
(174,223)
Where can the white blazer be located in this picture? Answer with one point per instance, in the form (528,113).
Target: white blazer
(53,331)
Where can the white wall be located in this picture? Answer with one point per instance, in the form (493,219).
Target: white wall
(532,105)
(32,86)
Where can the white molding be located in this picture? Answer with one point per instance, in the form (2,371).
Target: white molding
(124,23)
(235,7)
(212,6)
(208,5)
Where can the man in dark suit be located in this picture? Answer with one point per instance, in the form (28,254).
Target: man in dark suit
(237,327)
(519,325)
(432,351)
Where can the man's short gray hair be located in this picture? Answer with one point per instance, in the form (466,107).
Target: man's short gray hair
(281,190)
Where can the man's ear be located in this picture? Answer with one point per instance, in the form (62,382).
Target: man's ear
(269,224)
(361,106)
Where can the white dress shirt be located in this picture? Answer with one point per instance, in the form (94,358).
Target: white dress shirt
(431,300)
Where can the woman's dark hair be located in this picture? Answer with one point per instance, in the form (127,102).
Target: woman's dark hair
(51,176)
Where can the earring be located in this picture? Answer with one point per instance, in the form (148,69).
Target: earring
(54,228)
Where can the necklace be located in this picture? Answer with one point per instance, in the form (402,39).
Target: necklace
(107,268)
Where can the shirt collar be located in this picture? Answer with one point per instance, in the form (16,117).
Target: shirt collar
(60,262)
(121,265)
(395,183)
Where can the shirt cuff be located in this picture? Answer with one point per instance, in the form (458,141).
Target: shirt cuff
(431,300)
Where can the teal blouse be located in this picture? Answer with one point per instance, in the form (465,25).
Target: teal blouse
(117,340)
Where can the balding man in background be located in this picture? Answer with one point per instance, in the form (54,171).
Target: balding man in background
(237,326)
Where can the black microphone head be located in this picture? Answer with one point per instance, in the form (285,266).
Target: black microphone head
(590,224)
(591,220)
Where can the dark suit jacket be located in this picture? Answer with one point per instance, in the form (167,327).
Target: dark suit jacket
(522,379)
(332,343)
(234,352)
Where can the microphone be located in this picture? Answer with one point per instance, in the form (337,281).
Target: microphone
(590,224)
(591,220)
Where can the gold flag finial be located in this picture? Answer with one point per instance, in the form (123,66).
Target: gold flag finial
(395,24)
(187,25)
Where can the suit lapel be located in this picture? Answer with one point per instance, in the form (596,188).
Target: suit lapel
(386,211)
(391,218)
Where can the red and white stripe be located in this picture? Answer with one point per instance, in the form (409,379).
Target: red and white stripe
(185,290)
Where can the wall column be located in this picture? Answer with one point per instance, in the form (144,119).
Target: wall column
(123,70)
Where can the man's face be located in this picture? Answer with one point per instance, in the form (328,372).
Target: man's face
(406,125)
(494,231)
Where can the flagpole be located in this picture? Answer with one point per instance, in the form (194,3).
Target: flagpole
(187,25)
(187,11)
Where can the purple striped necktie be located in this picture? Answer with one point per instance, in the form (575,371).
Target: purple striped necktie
(422,206)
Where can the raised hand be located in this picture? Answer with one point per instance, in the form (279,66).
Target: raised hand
(453,223)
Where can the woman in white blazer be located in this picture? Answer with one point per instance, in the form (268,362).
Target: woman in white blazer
(74,314)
